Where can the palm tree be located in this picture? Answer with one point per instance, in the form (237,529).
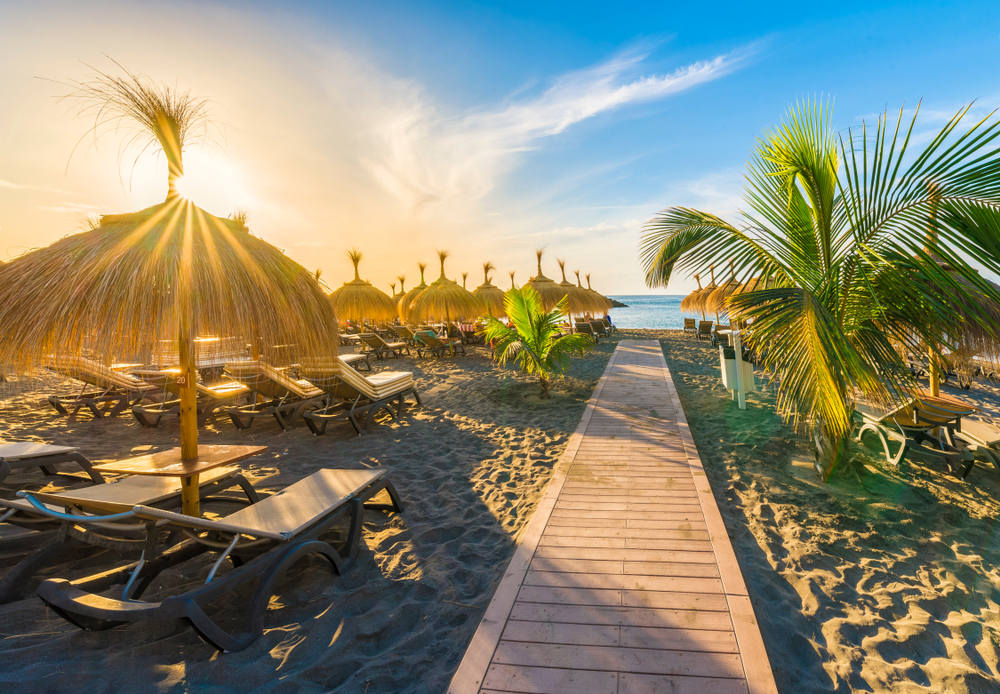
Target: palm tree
(534,342)
(848,261)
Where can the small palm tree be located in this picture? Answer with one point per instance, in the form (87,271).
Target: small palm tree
(534,342)
(850,259)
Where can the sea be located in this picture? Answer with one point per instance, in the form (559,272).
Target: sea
(654,311)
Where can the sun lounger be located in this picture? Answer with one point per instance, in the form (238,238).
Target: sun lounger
(913,424)
(983,439)
(356,395)
(286,397)
(689,326)
(356,360)
(29,454)
(599,328)
(431,344)
(210,397)
(405,334)
(73,513)
(609,326)
(704,329)
(374,344)
(115,391)
(586,328)
(276,532)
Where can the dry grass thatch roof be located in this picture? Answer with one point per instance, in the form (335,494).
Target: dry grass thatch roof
(687,303)
(404,303)
(578,299)
(716,301)
(444,299)
(604,300)
(490,296)
(358,300)
(126,284)
(549,291)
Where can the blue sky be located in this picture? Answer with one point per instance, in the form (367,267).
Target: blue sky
(486,129)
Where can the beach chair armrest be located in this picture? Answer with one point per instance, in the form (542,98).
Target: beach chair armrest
(72,517)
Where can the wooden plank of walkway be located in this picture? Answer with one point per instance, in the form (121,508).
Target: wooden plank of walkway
(625,581)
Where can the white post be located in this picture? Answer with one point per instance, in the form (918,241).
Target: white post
(740,386)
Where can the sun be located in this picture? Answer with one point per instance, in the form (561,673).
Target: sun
(212,182)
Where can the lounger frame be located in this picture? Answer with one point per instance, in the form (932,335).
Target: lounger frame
(79,603)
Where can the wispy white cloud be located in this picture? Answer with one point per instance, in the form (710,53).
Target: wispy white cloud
(427,157)
(22,186)
(73,207)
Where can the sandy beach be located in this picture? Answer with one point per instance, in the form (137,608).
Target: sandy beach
(882,581)
(470,466)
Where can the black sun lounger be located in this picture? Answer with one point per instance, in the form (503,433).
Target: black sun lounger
(211,398)
(117,391)
(262,541)
(287,397)
(28,454)
(79,517)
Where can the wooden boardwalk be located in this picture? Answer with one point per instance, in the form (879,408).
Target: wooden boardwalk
(625,581)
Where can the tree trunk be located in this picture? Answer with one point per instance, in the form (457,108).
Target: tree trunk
(831,450)
(543,381)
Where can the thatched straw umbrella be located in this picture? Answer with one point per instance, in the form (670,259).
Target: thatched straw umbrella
(701,301)
(444,298)
(604,300)
(359,299)
(491,296)
(548,290)
(688,303)
(578,300)
(408,297)
(402,291)
(716,301)
(169,270)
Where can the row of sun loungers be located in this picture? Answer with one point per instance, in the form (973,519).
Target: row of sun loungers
(256,389)
(136,516)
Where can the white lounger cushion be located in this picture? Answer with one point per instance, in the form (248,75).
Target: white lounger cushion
(287,513)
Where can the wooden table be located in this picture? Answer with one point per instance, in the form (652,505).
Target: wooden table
(168,463)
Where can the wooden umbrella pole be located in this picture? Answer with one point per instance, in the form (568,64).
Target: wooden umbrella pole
(934,374)
(190,503)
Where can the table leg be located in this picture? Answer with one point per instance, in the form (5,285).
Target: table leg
(190,501)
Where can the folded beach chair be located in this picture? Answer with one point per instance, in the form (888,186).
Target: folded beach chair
(608,325)
(689,326)
(586,328)
(375,345)
(210,397)
(76,518)
(704,329)
(115,391)
(356,395)
(262,542)
(913,424)
(429,343)
(718,339)
(284,398)
(29,454)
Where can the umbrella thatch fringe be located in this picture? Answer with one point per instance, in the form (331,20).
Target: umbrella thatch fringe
(490,296)
(115,291)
